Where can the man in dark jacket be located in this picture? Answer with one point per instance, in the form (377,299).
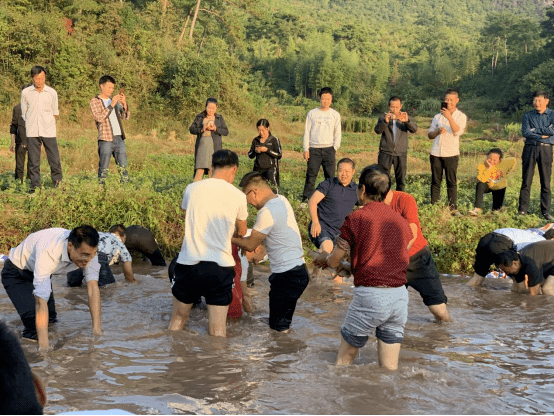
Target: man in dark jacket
(19,142)
(393,128)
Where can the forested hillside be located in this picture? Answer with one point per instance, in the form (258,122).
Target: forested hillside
(260,54)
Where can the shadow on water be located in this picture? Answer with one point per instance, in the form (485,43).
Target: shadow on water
(494,358)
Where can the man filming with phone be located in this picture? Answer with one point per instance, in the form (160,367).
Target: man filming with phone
(393,127)
(108,113)
(445,131)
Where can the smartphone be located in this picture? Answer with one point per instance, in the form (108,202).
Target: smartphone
(444,105)
(121,90)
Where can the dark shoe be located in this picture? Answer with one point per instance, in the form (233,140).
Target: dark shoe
(547,216)
(53,319)
(30,335)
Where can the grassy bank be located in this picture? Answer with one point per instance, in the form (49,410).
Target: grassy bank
(161,162)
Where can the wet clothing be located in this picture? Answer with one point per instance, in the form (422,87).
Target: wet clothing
(537,262)
(141,239)
(286,289)
(267,163)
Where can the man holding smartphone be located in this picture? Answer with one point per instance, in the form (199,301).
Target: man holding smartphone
(393,148)
(445,131)
(108,113)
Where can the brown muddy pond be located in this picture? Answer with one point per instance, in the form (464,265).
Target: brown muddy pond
(497,357)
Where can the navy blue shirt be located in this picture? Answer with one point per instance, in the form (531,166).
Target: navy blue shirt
(339,201)
(534,125)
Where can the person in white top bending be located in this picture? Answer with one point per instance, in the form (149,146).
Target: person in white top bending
(276,226)
(445,131)
(322,136)
(214,211)
(27,274)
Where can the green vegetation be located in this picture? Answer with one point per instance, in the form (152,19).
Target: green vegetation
(268,58)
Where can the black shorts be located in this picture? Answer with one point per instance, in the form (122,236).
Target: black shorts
(488,249)
(206,279)
(423,276)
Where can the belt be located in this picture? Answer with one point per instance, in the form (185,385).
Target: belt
(538,144)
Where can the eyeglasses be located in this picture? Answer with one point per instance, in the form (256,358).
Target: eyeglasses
(248,193)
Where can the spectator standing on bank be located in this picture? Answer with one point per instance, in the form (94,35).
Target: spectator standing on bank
(108,112)
(537,126)
(266,149)
(322,137)
(208,127)
(445,131)
(39,109)
(393,148)
(18,144)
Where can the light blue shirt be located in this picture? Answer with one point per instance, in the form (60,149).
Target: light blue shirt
(521,238)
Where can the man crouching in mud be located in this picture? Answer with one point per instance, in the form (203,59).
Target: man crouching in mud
(377,238)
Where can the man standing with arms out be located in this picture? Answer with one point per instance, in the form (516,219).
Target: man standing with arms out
(393,148)
(107,113)
(329,205)
(537,126)
(19,143)
(27,274)
(377,238)
(214,211)
(322,136)
(276,227)
(445,131)
(39,108)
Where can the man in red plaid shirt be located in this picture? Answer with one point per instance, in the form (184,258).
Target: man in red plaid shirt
(108,113)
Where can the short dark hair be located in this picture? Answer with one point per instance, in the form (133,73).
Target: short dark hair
(541,93)
(346,160)
(253,178)
(395,98)
(497,151)
(83,234)
(17,388)
(106,78)
(118,229)
(376,182)
(224,159)
(263,122)
(549,235)
(452,91)
(325,90)
(37,69)
(506,258)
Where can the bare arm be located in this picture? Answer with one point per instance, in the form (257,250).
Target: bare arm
(249,243)
(535,290)
(128,272)
(41,322)
(94,306)
(315,199)
(333,260)
(413,227)
(240,228)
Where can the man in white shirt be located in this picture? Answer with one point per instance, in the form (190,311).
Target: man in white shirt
(445,131)
(214,211)
(39,109)
(276,226)
(322,136)
(26,276)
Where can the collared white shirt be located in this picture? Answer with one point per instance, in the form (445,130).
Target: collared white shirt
(447,144)
(38,110)
(45,253)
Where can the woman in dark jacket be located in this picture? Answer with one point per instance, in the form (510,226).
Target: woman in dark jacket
(208,127)
(266,148)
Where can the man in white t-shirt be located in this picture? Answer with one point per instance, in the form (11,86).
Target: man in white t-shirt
(322,137)
(214,211)
(276,226)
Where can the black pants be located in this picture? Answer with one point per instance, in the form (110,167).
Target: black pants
(535,155)
(400,164)
(497,196)
(19,287)
(156,258)
(20,155)
(423,276)
(450,167)
(318,157)
(285,290)
(271,174)
(488,249)
(51,149)
(75,278)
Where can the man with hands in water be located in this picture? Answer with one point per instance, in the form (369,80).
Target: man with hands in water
(445,131)
(27,274)
(329,205)
(393,127)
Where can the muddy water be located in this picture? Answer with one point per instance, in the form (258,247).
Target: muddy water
(497,357)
